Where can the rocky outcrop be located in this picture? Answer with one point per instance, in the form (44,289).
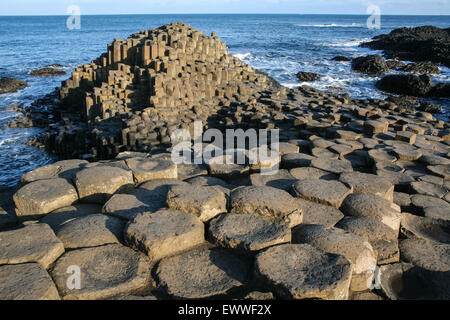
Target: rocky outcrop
(407,84)
(47,72)
(372,65)
(421,68)
(426,43)
(308,76)
(11,85)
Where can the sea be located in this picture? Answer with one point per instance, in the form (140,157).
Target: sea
(280,45)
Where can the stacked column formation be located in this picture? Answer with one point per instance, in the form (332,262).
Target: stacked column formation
(144,87)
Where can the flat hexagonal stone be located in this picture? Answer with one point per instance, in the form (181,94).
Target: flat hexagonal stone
(434,160)
(201,273)
(442,170)
(442,213)
(186,171)
(105,271)
(321,191)
(32,243)
(402,199)
(428,255)
(282,179)
(355,248)
(422,202)
(164,233)
(91,231)
(70,167)
(347,135)
(315,213)
(247,232)
(428,189)
(301,271)
(369,184)
(131,154)
(205,202)
(27,281)
(312,173)
(295,160)
(334,166)
(373,207)
(381,155)
(382,238)
(127,206)
(407,153)
(145,169)
(46,172)
(43,196)
(99,183)
(425,228)
(59,217)
(269,203)
(285,147)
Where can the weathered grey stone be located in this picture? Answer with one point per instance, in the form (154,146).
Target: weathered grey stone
(43,196)
(425,228)
(130,154)
(270,203)
(295,160)
(333,166)
(70,167)
(325,192)
(285,148)
(315,213)
(186,171)
(312,173)
(145,169)
(127,206)
(32,243)
(91,231)
(406,136)
(305,272)
(373,207)
(59,217)
(208,181)
(247,232)
(382,238)
(364,296)
(106,271)
(201,273)
(27,281)
(442,170)
(46,172)
(333,240)
(259,296)
(225,168)
(428,255)
(205,202)
(381,155)
(428,189)
(281,180)
(401,281)
(442,213)
(421,202)
(434,160)
(164,233)
(98,184)
(402,199)
(369,184)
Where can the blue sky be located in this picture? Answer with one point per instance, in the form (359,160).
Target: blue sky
(59,7)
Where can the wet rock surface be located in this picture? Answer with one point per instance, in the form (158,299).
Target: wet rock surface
(11,85)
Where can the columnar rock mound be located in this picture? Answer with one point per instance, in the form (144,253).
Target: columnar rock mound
(148,85)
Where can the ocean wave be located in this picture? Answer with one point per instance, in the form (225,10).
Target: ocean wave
(331,25)
(243,56)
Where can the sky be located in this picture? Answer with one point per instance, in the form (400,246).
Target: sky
(59,7)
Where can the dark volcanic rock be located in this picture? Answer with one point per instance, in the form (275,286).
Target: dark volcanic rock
(373,64)
(404,101)
(408,84)
(422,67)
(440,90)
(11,85)
(429,107)
(341,58)
(426,43)
(47,72)
(393,64)
(308,76)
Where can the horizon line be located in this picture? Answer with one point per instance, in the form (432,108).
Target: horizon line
(222,13)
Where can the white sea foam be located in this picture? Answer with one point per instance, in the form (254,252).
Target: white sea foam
(243,56)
